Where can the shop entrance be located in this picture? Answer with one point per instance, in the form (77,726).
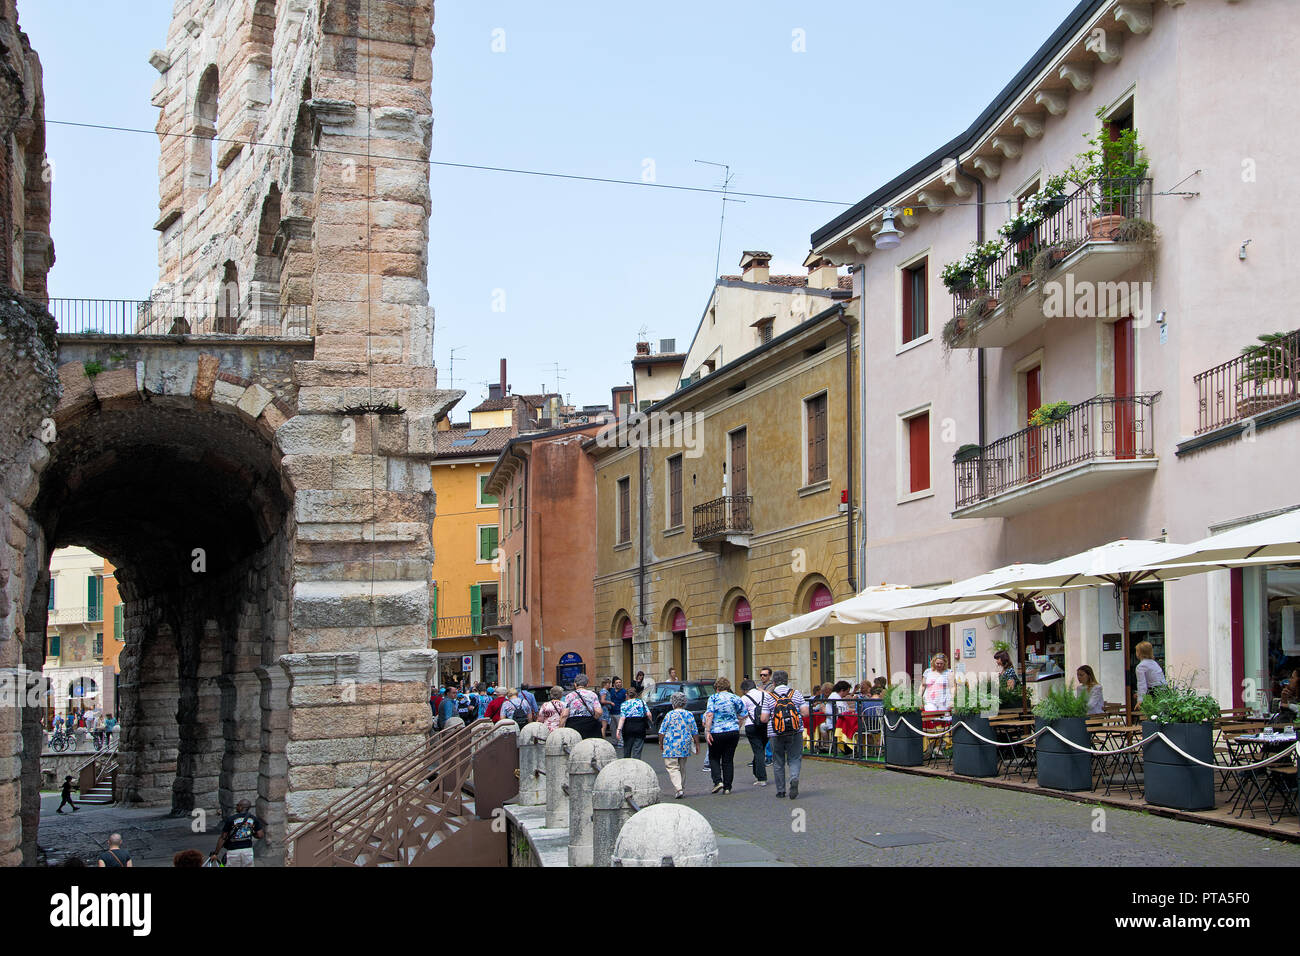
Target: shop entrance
(922,646)
(826,658)
(488,663)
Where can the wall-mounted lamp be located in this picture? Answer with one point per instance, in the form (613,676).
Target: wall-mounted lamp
(1241,253)
(888,237)
(1160,319)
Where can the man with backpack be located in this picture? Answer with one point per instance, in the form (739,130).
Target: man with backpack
(466,707)
(238,831)
(785,711)
(517,708)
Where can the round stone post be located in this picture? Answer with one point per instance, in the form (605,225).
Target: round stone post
(558,744)
(532,756)
(585,761)
(667,834)
(504,728)
(618,786)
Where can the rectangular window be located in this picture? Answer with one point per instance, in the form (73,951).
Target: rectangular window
(815,429)
(54,645)
(118,627)
(51,594)
(918,453)
(487,542)
(99,644)
(624,510)
(519,580)
(485,500)
(94,598)
(916,305)
(475,609)
(675,491)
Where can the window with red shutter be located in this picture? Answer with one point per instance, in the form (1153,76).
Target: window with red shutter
(817,451)
(624,510)
(918,452)
(916,311)
(675,491)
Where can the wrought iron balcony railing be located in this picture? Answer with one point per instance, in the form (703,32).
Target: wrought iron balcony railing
(463,625)
(75,615)
(1264,378)
(1104,428)
(1095,212)
(151,317)
(731,514)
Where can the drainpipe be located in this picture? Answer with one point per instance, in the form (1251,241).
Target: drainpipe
(848,443)
(979,237)
(640,534)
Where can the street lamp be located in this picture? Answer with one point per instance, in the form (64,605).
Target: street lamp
(889,236)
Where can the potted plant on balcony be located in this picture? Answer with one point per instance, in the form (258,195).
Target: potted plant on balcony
(971,709)
(1186,719)
(1061,766)
(1270,375)
(903,744)
(1034,209)
(1113,169)
(967,453)
(1049,413)
(967,273)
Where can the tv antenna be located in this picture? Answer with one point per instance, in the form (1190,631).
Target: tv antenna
(558,377)
(451,364)
(726,182)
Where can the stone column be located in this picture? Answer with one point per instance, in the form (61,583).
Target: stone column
(585,762)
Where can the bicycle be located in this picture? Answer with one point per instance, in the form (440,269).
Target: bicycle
(61,741)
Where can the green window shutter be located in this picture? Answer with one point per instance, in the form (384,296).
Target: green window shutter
(433,620)
(476,609)
(117,623)
(51,594)
(54,645)
(94,598)
(487,542)
(99,644)
(483,496)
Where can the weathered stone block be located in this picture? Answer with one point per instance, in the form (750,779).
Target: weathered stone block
(254,399)
(116,388)
(358,604)
(205,376)
(224,393)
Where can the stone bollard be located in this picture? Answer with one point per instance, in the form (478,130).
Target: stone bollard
(619,782)
(504,728)
(453,723)
(667,834)
(532,761)
(479,734)
(585,761)
(558,745)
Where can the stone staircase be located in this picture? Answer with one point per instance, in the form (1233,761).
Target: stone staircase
(97,777)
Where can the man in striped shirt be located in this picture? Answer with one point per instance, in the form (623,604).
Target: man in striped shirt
(785,711)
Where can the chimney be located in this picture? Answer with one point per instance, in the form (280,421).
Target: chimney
(504,387)
(754,265)
(643,348)
(822,273)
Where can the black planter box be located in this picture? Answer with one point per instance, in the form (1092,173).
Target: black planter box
(972,757)
(1022,233)
(1061,767)
(1173,781)
(903,746)
(1055,204)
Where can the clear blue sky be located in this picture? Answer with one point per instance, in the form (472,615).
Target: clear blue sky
(583,86)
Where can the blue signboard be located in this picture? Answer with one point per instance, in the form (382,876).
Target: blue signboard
(570,666)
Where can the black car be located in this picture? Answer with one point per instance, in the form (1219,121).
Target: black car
(697,698)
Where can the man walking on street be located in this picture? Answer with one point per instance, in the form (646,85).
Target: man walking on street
(766,685)
(238,832)
(67,796)
(785,712)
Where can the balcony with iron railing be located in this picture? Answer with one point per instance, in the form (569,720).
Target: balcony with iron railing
(724,521)
(1086,241)
(1262,379)
(75,615)
(96,317)
(463,625)
(1107,439)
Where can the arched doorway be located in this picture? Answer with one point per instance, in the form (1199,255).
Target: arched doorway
(742,639)
(624,634)
(820,597)
(680,653)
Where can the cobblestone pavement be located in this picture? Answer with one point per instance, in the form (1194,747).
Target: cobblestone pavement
(149,834)
(980,826)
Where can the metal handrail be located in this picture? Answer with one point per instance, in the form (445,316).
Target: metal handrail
(156,317)
(1118,427)
(730,514)
(1259,380)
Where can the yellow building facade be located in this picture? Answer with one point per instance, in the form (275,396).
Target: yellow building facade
(726,511)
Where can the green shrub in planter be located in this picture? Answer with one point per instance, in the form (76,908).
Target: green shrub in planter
(1186,718)
(1060,766)
(904,747)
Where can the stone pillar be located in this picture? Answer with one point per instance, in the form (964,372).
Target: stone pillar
(532,757)
(273,765)
(558,746)
(618,783)
(667,834)
(585,762)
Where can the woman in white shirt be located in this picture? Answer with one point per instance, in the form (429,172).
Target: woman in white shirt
(938,684)
(1088,686)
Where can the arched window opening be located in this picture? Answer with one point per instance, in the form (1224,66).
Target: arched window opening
(202,158)
(264,290)
(228,300)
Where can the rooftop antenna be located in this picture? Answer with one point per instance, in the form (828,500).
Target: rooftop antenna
(451,364)
(558,377)
(726,182)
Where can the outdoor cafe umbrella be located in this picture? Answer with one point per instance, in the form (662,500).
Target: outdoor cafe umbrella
(1122,563)
(1013,584)
(1274,540)
(876,609)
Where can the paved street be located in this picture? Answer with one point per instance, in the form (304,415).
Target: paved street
(977,825)
(149,833)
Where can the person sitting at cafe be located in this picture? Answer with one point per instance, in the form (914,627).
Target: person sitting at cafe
(1089,687)
(1008,678)
(1148,674)
(1291,692)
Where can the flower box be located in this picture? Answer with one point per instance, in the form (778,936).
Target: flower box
(904,747)
(1172,780)
(972,757)
(1060,766)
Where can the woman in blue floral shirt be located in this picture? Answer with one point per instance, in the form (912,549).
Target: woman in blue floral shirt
(633,722)
(677,740)
(722,718)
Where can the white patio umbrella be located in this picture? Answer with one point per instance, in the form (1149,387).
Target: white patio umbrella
(1015,584)
(885,606)
(1274,540)
(1122,563)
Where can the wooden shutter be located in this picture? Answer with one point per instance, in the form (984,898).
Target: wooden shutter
(907,306)
(475,609)
(487,542)
(94,597)
(740,462)
(51,594)
(54,645)
(817,439)
(624,510)
(918,451)
(674,491)
(920,300)
(118,627)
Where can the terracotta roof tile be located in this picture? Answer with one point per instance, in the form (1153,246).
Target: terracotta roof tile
(487,444)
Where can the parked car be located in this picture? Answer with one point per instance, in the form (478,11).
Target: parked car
(697,698)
